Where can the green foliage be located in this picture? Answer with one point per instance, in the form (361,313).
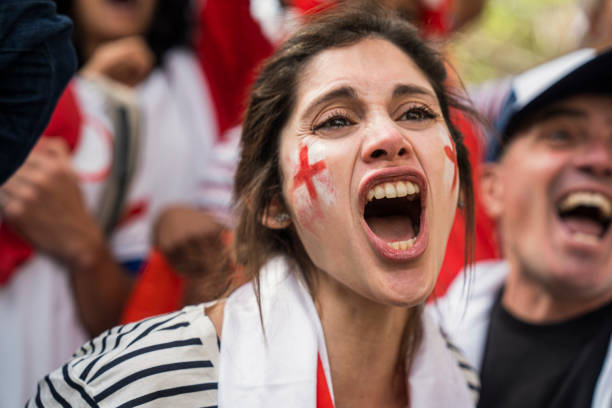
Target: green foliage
(513,35)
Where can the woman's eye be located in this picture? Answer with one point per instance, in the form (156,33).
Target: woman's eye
(335,122)
(418,114)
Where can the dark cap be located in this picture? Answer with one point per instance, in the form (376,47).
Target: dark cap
(581,72)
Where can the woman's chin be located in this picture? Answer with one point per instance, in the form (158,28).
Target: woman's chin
(409,291)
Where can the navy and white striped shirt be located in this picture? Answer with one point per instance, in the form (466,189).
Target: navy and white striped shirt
(164,361)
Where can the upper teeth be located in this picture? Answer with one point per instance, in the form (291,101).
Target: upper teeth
(589,199)
(394,190)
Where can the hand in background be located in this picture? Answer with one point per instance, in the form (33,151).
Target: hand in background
(43,202)
(192,242)
(128,61)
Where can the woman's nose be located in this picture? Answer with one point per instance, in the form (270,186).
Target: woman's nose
(385,141)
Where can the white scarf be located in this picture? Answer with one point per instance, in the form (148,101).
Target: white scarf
(279,370)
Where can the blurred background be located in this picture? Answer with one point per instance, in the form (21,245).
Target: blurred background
(512,35)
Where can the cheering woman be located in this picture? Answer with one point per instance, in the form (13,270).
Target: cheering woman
(346,190)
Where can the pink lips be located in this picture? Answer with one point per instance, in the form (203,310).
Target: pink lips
(380,246)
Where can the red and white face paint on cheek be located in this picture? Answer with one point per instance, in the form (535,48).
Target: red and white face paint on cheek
(312,188)
(451,172)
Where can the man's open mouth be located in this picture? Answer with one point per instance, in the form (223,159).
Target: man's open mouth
(393,213)
(586,214)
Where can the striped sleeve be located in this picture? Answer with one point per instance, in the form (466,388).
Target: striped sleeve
(164,361)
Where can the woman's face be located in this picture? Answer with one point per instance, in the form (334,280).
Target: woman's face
(108,20)
(370,175)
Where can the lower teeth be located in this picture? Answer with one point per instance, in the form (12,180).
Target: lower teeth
(587,238)
(402,245)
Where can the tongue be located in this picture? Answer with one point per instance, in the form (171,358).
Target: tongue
(392,228)
(583,225)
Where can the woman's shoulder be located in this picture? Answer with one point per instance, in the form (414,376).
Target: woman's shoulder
(173,357)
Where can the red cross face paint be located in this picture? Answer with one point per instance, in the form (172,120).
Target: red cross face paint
(312,186)
(367,177)
(306,173)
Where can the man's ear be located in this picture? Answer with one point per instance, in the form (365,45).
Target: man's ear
(492,189)
(276,216)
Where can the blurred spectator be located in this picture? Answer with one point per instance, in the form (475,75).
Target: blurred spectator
(538,323)
(188,266)
(136,131)
(36,62)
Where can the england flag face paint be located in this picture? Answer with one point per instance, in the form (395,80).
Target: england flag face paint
(312,188)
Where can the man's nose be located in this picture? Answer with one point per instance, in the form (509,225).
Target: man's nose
(595,158)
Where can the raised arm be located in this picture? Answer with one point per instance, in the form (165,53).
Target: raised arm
(44,203)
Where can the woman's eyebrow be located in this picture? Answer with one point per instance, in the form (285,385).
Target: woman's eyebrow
(344,92)
(405,89)
(348,92)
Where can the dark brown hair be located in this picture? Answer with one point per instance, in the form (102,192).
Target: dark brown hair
(258,180)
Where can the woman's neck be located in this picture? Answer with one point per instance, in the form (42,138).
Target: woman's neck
(364,344)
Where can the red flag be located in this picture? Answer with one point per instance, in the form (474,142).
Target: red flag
(324,399)
(230,45)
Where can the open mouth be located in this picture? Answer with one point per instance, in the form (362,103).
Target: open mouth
(586,214)
(393,213)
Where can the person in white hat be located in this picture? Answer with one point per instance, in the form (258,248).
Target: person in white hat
(538,324)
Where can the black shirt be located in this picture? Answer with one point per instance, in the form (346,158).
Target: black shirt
(551,365)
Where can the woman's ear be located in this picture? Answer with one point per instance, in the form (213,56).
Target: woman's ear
(492,189)
(276,216)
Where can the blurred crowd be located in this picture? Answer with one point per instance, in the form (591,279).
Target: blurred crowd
(123,208)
